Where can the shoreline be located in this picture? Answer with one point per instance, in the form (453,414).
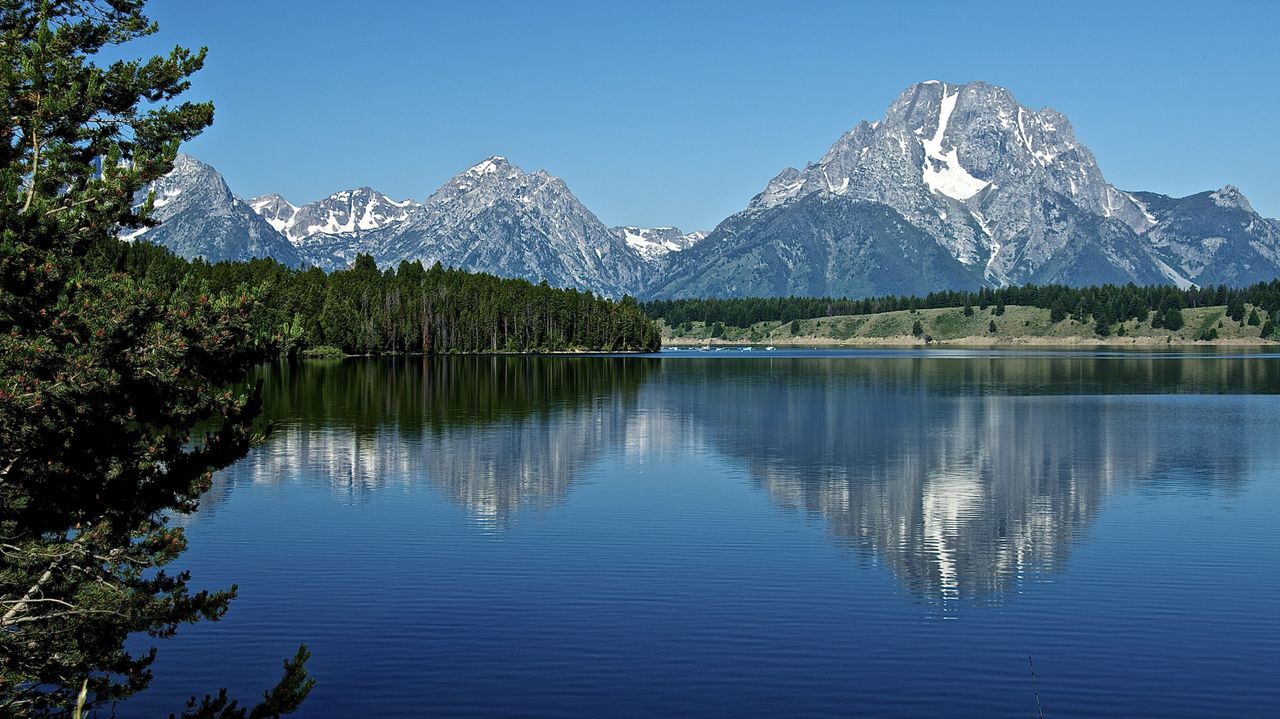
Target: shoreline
(543,353)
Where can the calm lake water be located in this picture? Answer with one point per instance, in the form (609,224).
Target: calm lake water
(879,533)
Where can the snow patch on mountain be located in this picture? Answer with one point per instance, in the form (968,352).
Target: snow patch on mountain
(941,170)
(277,211)
(348,212)
(655,243)
(1142,207)
(488,166)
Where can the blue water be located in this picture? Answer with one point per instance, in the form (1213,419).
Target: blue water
(791,533)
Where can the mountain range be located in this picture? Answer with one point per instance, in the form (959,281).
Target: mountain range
(956,187)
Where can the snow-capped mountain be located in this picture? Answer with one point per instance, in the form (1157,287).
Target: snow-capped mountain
(957,186)
(1009,192)
(200,217)
(972,167)
(496,218)
(655,243)
(332,231)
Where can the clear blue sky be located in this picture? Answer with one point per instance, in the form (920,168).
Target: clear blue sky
(677,113)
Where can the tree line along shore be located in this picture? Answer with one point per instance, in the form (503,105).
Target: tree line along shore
(409,309)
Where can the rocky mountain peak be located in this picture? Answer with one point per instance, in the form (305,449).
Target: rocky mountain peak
(1008,193)
(495,217)
(490,165)
(1231,197)
(495,180)
(200,217)
(276,210)
(978,171)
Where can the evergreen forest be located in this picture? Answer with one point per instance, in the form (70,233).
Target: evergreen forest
(408,309)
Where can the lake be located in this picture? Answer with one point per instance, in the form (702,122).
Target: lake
(798,533)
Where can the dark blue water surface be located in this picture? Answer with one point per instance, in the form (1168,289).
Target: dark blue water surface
(878,533)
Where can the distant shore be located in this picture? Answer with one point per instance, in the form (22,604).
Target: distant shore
(1017,326)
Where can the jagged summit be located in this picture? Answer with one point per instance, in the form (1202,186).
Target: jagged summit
(489,178)
(1231,197)
(332,231)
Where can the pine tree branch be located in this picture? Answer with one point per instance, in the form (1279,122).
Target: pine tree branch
(10,617)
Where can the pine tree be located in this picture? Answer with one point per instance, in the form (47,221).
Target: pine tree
(104,377)
(1173,319)
(1058,312)
(1235,309)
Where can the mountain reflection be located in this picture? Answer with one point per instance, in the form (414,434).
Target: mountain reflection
(965,476)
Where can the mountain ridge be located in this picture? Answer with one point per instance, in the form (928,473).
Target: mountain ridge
(1008,194)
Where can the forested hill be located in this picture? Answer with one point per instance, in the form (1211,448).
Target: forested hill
(409,309)
(1105,306)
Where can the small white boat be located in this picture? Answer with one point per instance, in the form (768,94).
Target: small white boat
(748,349)
(770,348)
(704,348)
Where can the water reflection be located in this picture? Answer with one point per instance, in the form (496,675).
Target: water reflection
(495,434)
(966,477)
(962,493)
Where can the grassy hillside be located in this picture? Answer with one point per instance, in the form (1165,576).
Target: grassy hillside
(1018,325)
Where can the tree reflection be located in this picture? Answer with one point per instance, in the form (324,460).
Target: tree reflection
(495,434)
